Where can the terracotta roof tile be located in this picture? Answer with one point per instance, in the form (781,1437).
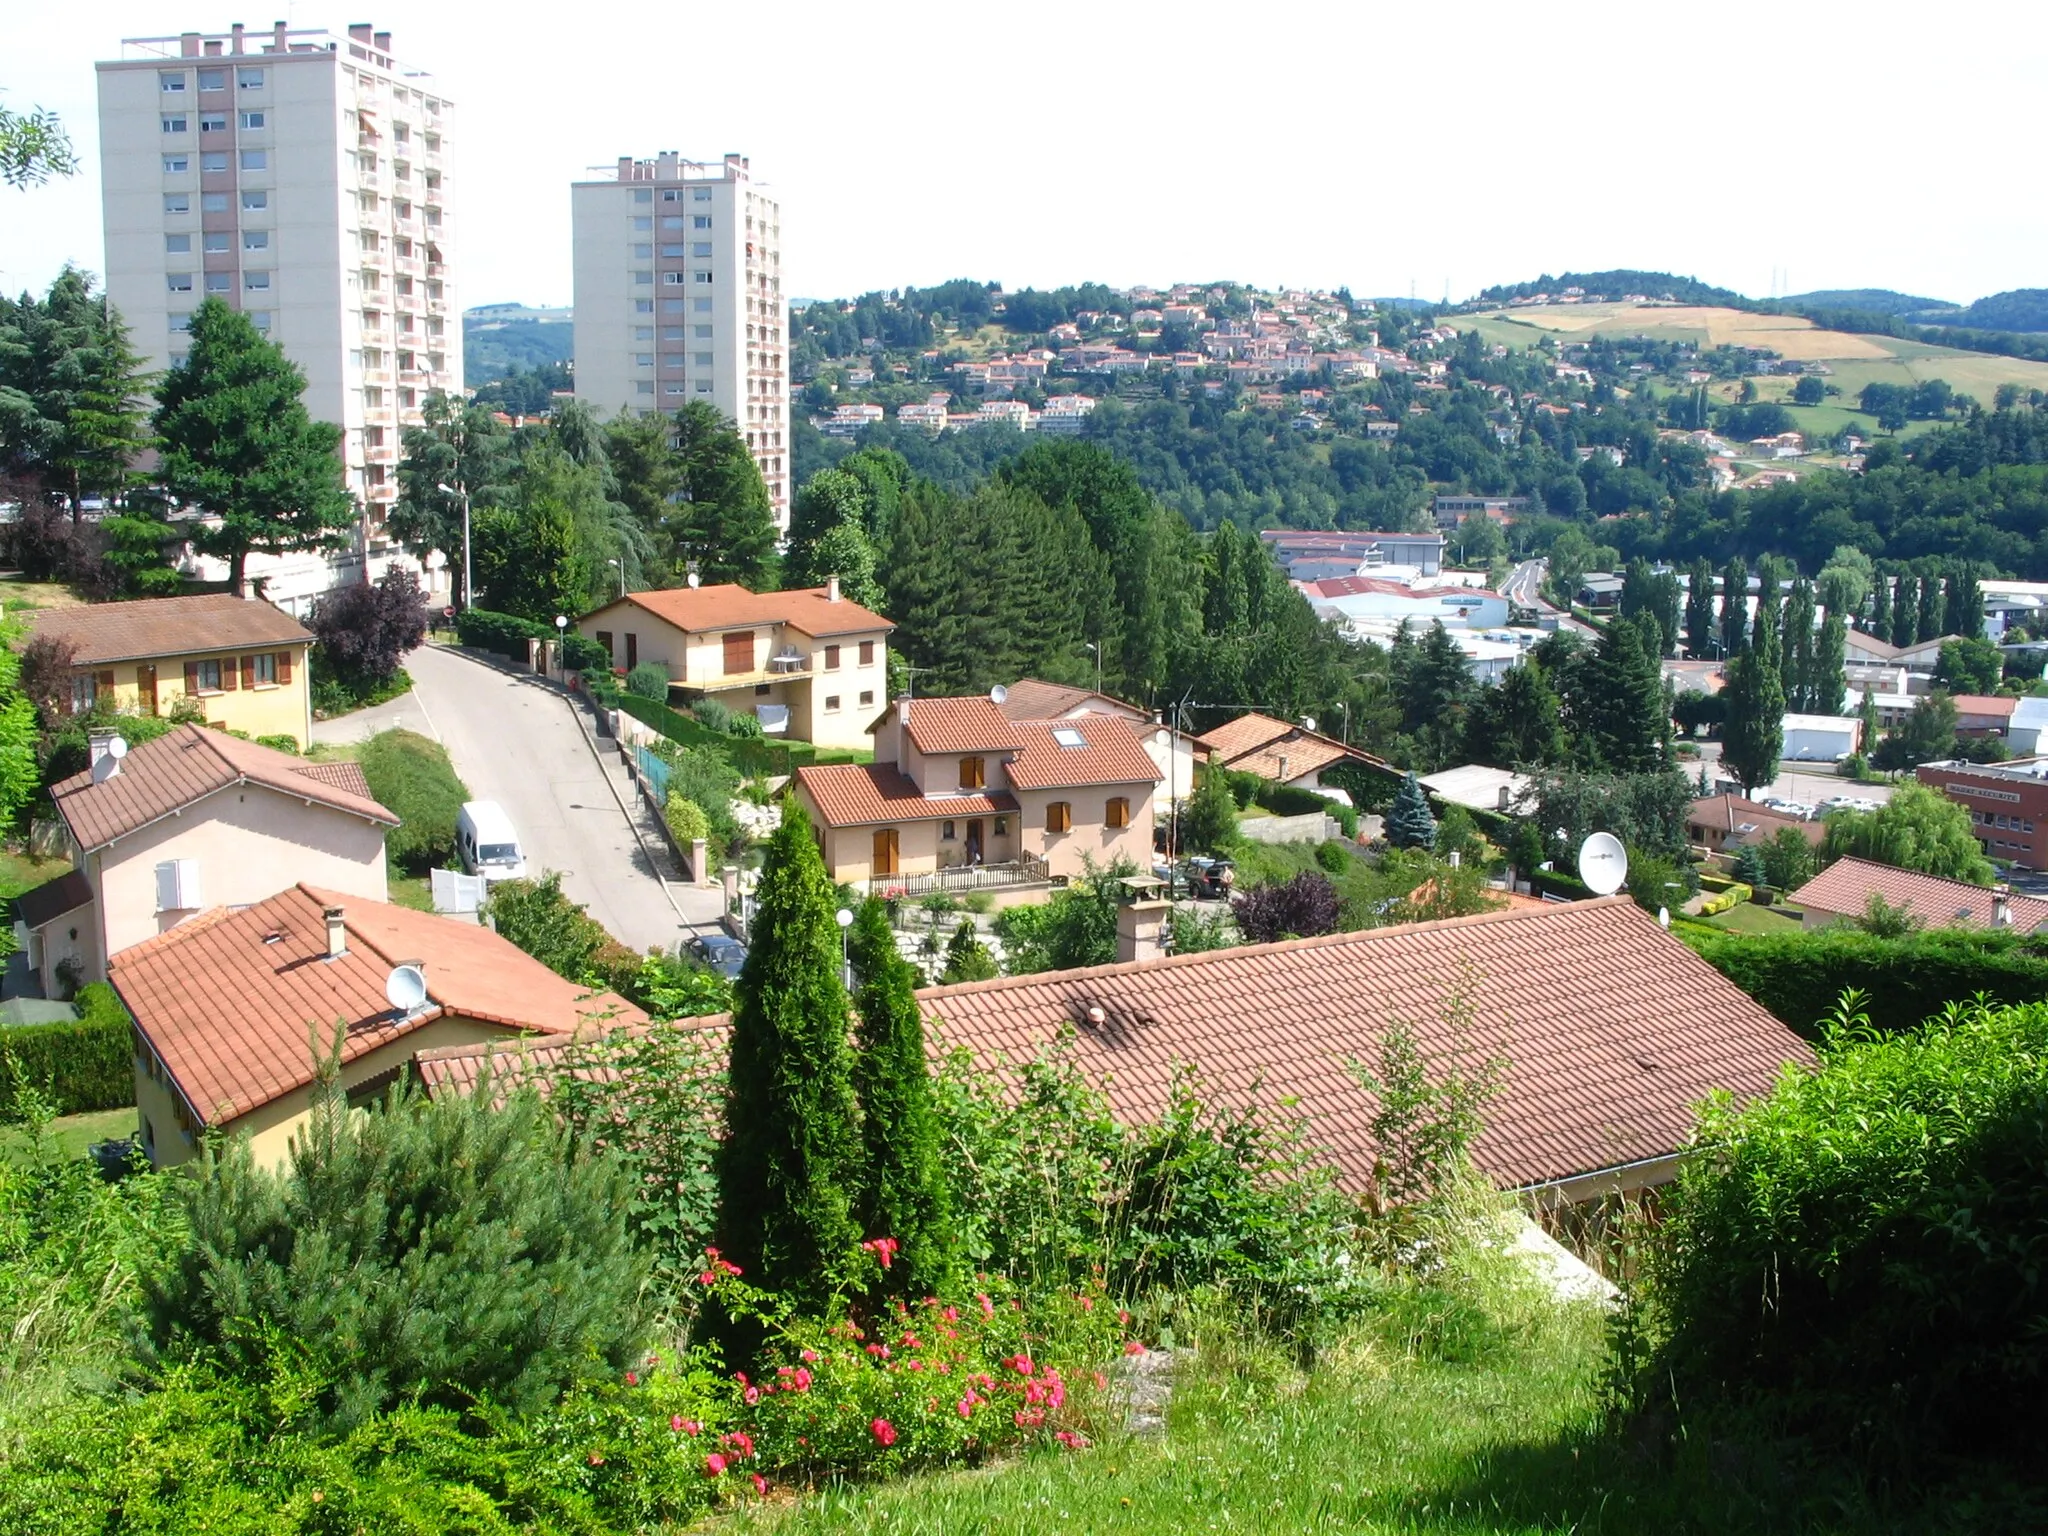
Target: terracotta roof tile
(168,626)
(1613,1030)
(863,794)
(1844,888)
(1741,821)
(187,765)
(228,1009)
(537,1060)
(1255,743)
(1108,752)
(1234,738)
(957,725)
(1030,699)
(731,606)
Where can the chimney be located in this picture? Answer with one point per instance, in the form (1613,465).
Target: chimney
(235,33)
(337,933)
(2001,906)
(361,31)
(832,589)
(107,750)
(383,42)
(1283,767)
(1504,797)
(278,43)
(1141,930)
(188,45)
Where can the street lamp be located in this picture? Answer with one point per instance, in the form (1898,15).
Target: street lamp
(622,575)
(562,661)
(845,920)
(453,490)
(1098,662)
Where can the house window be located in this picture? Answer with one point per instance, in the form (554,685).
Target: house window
(700,248)
(702,277)
(256,280)
(180,282)
(213,122)
(255,202)
(255,159)
(946,833)
(220,282)
(700,221)
(177,886)
(176,123)
(831,703)
(252,119)
(207,674)
(255,239)
(1059,817)
(213,79)
(701,306)
(672,279)
(831,658)
(738,652)
(217,240)
(249,79)
(642,195)
(264,674)
(214,161)
(213,202)
(1117,813)
(700,194)
(670,195)
(1002,826)
(867,653)
(867,698)
(179,202)
(173,82)
(973,772)
(83,692)
(762,690)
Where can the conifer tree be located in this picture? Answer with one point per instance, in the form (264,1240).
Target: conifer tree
(1753,735)
(1880,623)
(725,524)
(1795,659)
(1208,822)
(1699,609)
(1929,626)
(1409,823)
(1905,611)
(1965,614)
(790,1162)
(239,444)
(902,1188)
(1628,718)
(1828,680)
(1734,607)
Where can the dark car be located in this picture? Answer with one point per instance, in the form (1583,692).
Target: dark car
(721,953)
(1211,879)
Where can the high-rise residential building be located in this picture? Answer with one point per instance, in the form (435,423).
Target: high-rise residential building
(300,176)
(679,298)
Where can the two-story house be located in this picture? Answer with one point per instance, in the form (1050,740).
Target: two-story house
(955,782)
(236,663)
(811,664)
(193,820)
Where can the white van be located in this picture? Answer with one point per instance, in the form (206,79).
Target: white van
(486,842)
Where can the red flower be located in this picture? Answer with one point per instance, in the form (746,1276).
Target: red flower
(714,1465)
(1072,1441)
(809,1357)
(883,1431)
(752,1395)
(632,1380)
(1134,1348)
(966,1406)
(596,1459)
(739,1440)
(761,1485)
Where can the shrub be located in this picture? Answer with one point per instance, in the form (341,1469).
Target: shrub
(363,1257)
(366,630)
(288,743)
(503,633)
(67,750)
(580,653)
(1190,932)
(1333,857)
(967,958)
(1801,976)
(709,781)
(744,726)
(1299,908)
(412,778)
(336,694)
(648,681)
(536,917)
(686,821)
(1730,895)
(1075,927)
(78,1066)
(710,713)
(1860,1246)
(1208,822)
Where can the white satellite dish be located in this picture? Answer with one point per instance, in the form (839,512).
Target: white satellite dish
(117,748)
(998,694)
(405,989)
(1603,863)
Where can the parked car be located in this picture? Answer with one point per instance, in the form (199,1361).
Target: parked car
(1210,879)
(486,842)
(721,952)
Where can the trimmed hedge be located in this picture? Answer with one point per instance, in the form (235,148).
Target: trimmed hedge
(752,757)
(1906,981)
(82,1066)
(1288,800)
(580,653)
(411,777)
(505,634)
(1728,896)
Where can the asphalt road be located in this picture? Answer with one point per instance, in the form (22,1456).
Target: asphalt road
(513,740)
(1524,588)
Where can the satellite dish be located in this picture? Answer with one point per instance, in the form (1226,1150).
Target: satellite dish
(1308,722)
(998,694)
(405,989)
(1603,863)
(117,748)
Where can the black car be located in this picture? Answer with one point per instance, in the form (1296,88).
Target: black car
(1210,879)
(721,953)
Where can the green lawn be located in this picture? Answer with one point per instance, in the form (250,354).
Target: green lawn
(1748,917)
(19,872)
(74,1133)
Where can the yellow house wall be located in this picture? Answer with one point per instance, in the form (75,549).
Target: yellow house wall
(1091,838)
(270,1127)
(274,709)
(850,851)
(251,843)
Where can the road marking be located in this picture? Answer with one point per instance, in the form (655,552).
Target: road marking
(427,716)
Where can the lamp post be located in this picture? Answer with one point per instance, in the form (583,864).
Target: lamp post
(1098,662)
(562,661)
(844,918)
(462,491)
(622,574)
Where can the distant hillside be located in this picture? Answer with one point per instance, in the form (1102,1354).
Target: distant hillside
(2018,309)
(498,338)
(1876,301)
(1620,281)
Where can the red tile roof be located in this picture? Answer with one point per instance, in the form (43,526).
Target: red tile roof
(1997,705)
(1109,752)
(1030,699)
(1613,1030)
(731,606)
(539,1059)
(228,1009)
(1843,889)
(956,725)
(187,765)
(1741,821)
(1246,733)
(168,626)
(867,794)
(1255,743)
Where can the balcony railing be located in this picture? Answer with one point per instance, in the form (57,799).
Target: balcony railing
(964,877)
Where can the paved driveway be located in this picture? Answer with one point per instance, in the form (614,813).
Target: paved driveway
(514,740)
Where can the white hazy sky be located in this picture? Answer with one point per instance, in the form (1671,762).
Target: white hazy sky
(1438,144)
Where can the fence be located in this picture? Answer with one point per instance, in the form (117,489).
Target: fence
(656,772)
(967,877)
(750,755)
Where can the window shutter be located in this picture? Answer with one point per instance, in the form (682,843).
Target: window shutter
(189,897)
(191,679)
(248,671)
(106,685)
(284,666)
(227,674)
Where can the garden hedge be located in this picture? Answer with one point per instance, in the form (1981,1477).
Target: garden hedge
(504,634)
(751,756)
(84,1065)
(1800,976)
(411,777)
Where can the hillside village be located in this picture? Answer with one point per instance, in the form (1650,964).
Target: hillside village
(1209,902)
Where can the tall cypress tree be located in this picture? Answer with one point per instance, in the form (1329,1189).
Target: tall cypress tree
(1795,662)
(1905,611)
(789,1164)
(1753,738)
(1699,609)
(903,1191)
(1734,607)
(1929,626)
(1880,622)
(1828,681)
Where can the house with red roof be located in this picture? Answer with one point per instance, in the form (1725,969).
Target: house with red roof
(810,664)
(956,785)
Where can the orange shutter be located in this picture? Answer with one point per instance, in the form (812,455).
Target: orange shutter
(105,685)
(191,679)
(248,671)
(227,674)
(284,666)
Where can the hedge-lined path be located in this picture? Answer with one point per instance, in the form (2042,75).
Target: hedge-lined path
(514,740)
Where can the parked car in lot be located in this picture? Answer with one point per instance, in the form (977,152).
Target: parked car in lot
(721,952)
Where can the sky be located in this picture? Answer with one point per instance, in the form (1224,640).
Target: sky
(1434,147)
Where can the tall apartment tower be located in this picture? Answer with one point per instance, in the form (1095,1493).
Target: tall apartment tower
(679,298)
(300,176)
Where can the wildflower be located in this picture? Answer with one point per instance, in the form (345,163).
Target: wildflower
(760,1485)
(966,1405)
(739,1440)
(1087,1303)
(1073,1442)
(1030,1420)
(1123,1319)
(1134,1348)
(988,1308)
(908,1341)
(799,1381)
(740,1377)
(1101,1381)
(1021,1364)
(752,1395)
(944,1369)
(714,1465)
(632,1380)
(883,1431)
(914,1363)
(951,1314)
(809,1357)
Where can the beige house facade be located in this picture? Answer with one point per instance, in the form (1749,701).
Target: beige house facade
(957,785)
(193,820)
(810,664)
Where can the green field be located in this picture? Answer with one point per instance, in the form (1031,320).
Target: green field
(1748,917)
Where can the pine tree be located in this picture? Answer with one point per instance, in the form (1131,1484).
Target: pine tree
(790,1162)
(239,444)
(1208,822)
(1734,607)
(1626,687)
(1409,823)
(1515,721)
(1699,609)
(902,1188)
(725,523)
